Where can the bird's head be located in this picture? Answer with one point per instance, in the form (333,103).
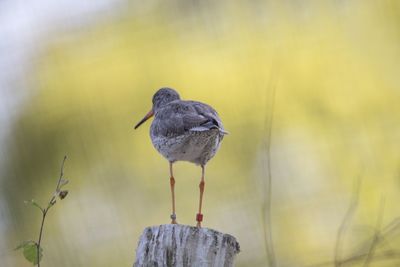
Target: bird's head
(162,97)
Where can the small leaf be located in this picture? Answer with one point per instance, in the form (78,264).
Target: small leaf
(34,203)
(30,251)
(24,243)
(63,194)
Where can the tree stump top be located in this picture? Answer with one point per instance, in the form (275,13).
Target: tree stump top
(183,245)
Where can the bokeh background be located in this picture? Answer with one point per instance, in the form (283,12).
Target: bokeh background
(76,76)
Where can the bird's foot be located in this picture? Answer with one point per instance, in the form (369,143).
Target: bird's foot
(173,218)
(199,219)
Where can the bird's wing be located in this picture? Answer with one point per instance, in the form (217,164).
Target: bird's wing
(210,117)
(183,116)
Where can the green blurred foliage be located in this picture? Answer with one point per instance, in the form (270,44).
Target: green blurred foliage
(30,251)
(336,118)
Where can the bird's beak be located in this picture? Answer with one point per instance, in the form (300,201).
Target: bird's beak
(148,116)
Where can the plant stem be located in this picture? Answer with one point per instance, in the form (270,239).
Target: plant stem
(40,236)
(61,173)
(44,211)
(267,201)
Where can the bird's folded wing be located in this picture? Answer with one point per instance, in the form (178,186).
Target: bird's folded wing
(188,116)
(200,123)
(191,121)
(178,123)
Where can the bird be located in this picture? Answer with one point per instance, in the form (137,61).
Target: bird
(184,130)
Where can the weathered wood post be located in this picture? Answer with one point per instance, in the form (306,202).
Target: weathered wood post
(184,246)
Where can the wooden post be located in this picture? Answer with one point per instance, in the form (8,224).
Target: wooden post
(183,245)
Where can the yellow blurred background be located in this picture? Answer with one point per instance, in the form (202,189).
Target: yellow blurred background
(335,69)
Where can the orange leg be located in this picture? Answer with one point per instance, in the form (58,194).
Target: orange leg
(199,216)
(172,183)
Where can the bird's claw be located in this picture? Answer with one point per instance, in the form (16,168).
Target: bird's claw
(173,218)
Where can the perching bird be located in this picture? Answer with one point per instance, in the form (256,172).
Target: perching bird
(184,131)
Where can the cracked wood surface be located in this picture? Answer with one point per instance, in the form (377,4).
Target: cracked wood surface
(183,245)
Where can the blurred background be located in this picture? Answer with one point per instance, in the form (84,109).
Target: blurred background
(75,77)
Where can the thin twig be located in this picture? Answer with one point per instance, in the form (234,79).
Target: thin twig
(384,255)
(57,191)
(377,234)
(266,208)
(40,236)
(50,204)
(346,220)
(388,231)
(61,173)
(392,226)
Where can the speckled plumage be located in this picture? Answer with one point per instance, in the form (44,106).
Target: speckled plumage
(186,131)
